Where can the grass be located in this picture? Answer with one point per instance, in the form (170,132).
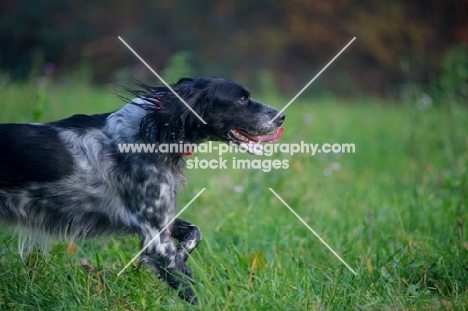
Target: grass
(395,211)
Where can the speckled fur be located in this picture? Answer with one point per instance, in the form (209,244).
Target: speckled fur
(67,178)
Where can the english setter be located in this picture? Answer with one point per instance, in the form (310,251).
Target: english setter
(68,178)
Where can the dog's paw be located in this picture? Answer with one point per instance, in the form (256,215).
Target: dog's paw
(188,295)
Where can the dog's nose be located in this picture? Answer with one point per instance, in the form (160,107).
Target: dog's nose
(272,113)
(281,118)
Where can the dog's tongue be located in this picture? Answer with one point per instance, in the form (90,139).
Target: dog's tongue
(268,137)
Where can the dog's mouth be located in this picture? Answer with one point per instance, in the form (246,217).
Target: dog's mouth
(251,142)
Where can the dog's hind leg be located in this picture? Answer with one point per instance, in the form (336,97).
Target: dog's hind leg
(188,236)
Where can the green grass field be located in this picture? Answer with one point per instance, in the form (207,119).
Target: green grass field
(395,211)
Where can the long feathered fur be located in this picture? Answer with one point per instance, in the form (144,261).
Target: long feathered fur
(68,178)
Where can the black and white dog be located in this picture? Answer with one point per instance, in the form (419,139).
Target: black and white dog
(68,179)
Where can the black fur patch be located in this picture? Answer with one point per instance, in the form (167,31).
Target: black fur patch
(81,121)
(31,153)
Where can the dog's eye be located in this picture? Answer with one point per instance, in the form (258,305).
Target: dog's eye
(242,100)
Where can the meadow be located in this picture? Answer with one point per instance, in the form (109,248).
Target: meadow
(395,210)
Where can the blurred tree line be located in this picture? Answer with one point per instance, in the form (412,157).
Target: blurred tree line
(289,41)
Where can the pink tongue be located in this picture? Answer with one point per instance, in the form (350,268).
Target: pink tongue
(267,137)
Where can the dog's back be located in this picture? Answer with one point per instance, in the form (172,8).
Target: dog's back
(51,177)
(31,153)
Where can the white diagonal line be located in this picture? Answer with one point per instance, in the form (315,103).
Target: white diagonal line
(159,77)
(161,231)
(312,230)
(316,76)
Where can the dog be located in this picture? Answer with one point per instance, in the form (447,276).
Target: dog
(67,178)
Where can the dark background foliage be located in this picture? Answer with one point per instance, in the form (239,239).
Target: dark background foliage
(397,41)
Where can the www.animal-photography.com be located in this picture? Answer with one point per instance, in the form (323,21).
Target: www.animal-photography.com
(233,155)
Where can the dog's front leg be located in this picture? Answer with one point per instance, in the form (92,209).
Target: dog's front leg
(163,257)
(188,236)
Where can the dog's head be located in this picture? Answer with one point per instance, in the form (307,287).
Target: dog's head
(230,114)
